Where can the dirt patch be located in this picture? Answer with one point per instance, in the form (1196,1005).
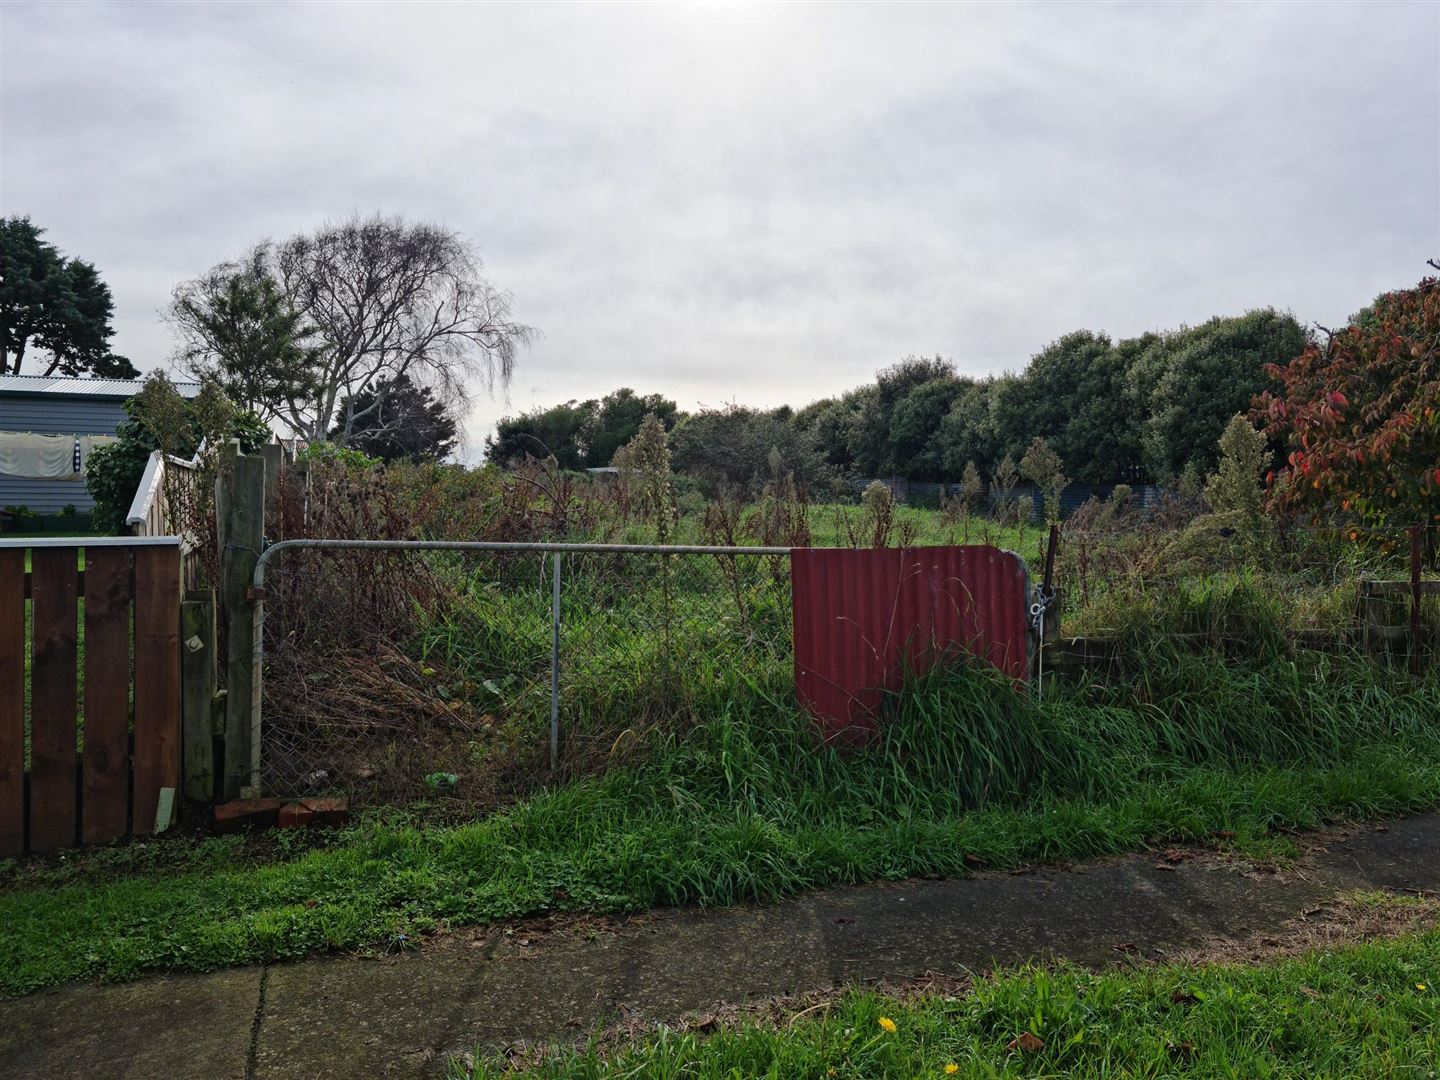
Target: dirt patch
(518,936)
(1349,919)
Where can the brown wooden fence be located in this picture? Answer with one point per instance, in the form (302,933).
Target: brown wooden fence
(89,690)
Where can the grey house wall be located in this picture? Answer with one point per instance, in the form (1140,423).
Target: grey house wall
(54,414)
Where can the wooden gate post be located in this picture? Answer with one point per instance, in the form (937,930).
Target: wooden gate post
(197,695)
(240,522)
(274,455)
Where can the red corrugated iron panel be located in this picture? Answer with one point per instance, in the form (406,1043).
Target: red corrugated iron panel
(861,614)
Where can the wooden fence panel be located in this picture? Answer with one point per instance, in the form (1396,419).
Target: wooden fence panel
(106,771)
(52,697)
(12,702)
(157,683)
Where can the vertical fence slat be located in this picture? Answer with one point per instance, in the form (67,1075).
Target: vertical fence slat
(52,697)
(106,762)
(157,681)
(12,701)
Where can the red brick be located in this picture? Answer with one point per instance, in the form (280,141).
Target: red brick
(247,814)
(331,812)
(295,816)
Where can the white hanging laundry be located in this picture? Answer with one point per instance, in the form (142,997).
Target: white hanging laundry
(37,457)
(89,443)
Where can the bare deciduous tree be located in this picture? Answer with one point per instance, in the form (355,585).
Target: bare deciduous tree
(386,298)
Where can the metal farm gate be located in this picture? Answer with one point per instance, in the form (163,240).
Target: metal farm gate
(858,619)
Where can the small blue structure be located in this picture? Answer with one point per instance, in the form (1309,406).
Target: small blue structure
(38,473)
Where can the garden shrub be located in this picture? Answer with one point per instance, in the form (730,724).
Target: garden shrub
(159,418)
(1360,416)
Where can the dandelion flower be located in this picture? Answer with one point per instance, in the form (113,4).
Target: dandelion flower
(951,1069)
(887,1024)
(1419,986)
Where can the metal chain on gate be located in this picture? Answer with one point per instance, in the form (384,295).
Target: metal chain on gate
(1044,597)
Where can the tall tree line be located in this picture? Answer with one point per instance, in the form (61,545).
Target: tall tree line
(1128,409)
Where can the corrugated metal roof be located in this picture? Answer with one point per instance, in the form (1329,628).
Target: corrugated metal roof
(106,388)
(862,615)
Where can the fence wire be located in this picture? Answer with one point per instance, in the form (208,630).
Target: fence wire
(400,675)
(1321,586)
(392,676)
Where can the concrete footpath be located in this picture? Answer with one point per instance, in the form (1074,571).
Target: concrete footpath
(349,1017)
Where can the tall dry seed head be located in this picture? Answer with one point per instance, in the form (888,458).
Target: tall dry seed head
(1042,467)
(644,464)
(1238,484)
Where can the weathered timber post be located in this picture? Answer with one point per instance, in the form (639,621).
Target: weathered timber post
(274,455)
(240,522)
(198,673)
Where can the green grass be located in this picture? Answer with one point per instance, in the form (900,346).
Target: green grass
(1369,1010)
(746,807)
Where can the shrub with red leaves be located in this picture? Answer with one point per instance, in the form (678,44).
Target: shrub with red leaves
(1360,416)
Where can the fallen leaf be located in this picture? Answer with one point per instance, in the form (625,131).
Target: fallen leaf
(1026,1042)
(1225,834)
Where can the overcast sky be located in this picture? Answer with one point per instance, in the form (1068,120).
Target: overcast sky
(763,203)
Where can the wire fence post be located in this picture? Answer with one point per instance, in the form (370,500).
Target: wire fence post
(555,663)
(1416,558)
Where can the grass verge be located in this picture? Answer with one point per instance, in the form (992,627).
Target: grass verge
(1370,1010)
(745,807)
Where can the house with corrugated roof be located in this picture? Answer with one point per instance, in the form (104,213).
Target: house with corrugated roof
(48,427)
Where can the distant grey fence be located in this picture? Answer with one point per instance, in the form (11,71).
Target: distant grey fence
(925,492)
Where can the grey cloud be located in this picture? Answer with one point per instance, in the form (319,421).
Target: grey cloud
(753,202)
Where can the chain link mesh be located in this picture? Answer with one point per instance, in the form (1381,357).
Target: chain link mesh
(439,679)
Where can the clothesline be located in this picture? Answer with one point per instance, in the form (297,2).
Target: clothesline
(33,456)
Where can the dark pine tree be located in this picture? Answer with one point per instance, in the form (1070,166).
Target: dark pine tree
(399,421)
(57,305)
